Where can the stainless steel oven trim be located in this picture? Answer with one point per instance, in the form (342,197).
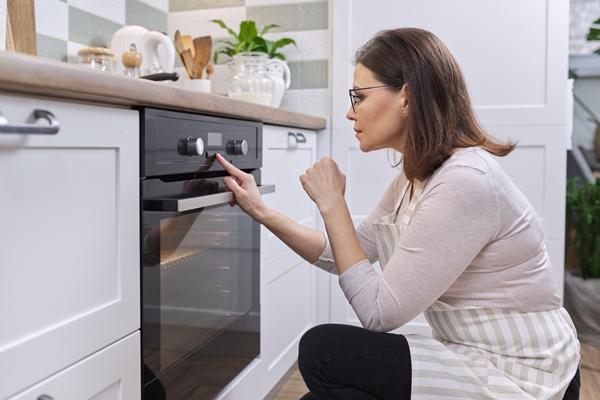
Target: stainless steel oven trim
(194,203)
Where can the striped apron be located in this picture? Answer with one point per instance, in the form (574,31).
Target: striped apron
(481,352)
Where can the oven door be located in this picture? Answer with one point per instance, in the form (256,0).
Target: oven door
(200,288)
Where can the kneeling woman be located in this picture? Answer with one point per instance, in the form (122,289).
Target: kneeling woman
(455,239)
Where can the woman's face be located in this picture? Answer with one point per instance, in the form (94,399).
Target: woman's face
(379,117)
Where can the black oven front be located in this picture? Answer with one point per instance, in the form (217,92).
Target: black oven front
(200,257)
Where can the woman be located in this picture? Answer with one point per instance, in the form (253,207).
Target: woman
(455,239)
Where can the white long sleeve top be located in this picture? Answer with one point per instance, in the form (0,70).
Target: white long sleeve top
(474,240)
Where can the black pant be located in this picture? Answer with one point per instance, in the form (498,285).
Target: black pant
(347,362)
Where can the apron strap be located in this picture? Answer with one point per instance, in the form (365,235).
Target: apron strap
(413,202)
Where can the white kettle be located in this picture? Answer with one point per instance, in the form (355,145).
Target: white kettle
(157,49)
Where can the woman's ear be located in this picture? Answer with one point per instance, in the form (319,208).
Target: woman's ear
(404,98)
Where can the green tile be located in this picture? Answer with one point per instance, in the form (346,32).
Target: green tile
(187,5)
(89,29)
(52,48)
(138,13)
(309,74)
(291,17)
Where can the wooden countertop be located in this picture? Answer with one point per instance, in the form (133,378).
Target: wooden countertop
(38,76)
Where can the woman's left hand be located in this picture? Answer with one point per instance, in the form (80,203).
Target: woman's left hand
(324,183)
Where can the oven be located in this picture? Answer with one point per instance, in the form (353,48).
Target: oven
(200,257)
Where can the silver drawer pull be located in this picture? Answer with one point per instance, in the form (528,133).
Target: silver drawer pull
(195,203)
(45,397)
(31,128)
(292,140)
(300,138)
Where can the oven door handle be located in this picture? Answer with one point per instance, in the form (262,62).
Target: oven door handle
(194,203)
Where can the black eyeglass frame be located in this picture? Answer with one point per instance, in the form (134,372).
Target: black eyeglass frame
(352,97)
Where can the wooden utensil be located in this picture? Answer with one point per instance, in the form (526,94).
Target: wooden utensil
(209,70)
(10,43)
(22,25)
(203,47)
(188,44)
(179,45)
(188,61)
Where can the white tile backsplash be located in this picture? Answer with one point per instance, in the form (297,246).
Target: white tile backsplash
(162,5)
(312,45)
(112,10)
(277,2)
(52,18)
(196,23)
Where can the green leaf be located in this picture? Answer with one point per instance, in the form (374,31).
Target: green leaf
(247,31)
(267,28)
(282,42)
(222,24)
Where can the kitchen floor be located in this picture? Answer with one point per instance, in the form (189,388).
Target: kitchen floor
(292,386)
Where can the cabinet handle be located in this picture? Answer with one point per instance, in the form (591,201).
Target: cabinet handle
(31,128)
(45,397)
(300,138)
(292,140)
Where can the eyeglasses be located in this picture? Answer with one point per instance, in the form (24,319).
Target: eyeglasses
(354,99)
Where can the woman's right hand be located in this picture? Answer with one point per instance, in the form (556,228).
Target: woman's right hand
(243,187)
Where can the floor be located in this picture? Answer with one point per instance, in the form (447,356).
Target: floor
(292,386)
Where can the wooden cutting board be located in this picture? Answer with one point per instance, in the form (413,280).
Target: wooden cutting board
(20,26)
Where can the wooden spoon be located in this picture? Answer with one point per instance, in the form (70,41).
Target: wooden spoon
(190,66)
(188,44)
(209,70)
(179,45)
(203,47)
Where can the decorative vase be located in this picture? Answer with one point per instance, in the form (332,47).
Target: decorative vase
(280,73)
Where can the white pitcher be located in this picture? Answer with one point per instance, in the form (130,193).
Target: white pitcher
(280,73)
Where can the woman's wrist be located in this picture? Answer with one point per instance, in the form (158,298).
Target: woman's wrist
(331,205)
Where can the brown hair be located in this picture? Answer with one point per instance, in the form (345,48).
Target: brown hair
(440,115)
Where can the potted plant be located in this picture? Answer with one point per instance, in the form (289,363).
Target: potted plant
(248,40)
(582,285)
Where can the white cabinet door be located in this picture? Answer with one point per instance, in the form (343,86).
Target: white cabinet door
(112,373)
(287,154)
(518,82)
(287,281)
(69,240)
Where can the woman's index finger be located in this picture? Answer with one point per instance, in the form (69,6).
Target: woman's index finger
(228,167)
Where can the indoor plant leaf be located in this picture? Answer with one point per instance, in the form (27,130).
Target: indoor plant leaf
(222,24)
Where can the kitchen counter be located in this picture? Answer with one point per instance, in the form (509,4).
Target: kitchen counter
(42,77)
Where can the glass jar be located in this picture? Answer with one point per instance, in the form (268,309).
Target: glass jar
(97,58)
(249,80)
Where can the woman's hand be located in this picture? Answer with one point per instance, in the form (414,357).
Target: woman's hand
(244,189)
(324,183)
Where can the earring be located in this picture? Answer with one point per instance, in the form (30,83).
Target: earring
(404,112)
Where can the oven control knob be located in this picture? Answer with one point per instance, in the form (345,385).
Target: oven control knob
(190,146)
(237,147)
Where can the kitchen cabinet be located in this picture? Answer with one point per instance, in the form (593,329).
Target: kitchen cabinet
(110,374)
(287,281)
(69,240)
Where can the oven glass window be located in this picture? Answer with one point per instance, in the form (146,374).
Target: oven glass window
(199,276)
